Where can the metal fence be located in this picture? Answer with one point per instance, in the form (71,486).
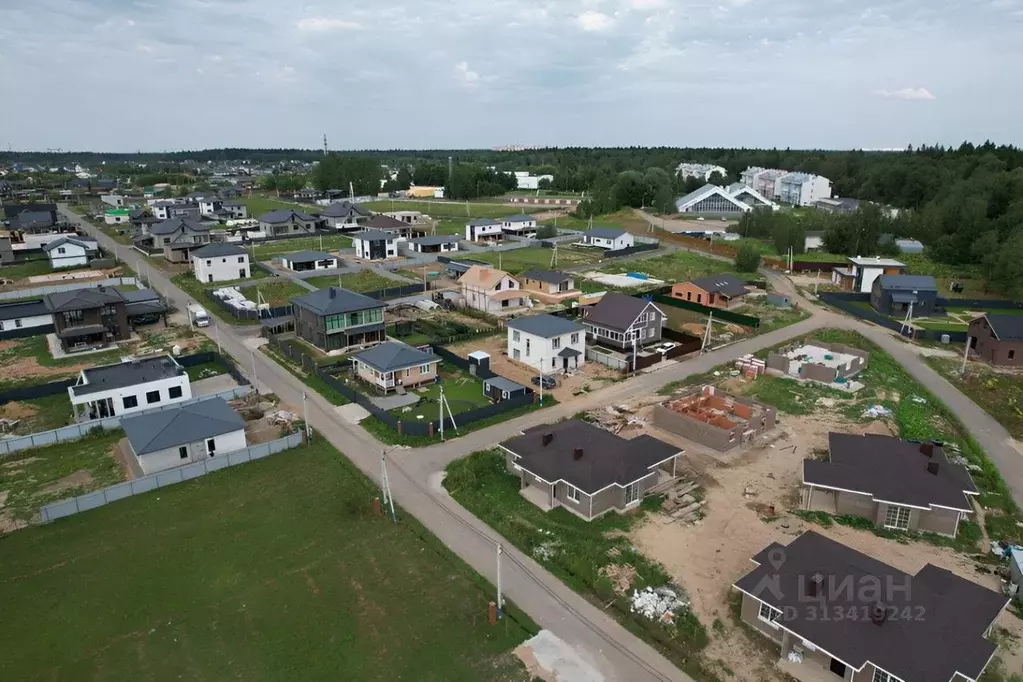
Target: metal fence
(719,313)
(162,479)
(69,286)
(400,290)
(629,250)
(598,355)
(851,303)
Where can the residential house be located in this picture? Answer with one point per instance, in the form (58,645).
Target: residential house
(89,318)
(127,387)
(497,388)
(187,211)
(32,222)
(143,306)
(25,318)
(71,252)
(546,342)
(397,228)
(375,245)
(184,435)
(700,171)
(716,291)
(997,339)
(232,192)
(200,196)
(303,261)
(802,189)
(623,322)
(209,206)
(861,272)
(896,294)
(519,225)
(117,216)
(763,180)
(220,262)
(284,221)
(549,286)
(896,484)
(408,217)
(491,290)
(484,230)
(335,319)
(395,366)
(115,200)
(345,216)
(894,627)
(609,238)
(232,210)
(437,243)
(750,196)
(587,470)
(837,205)
(141,220)
(813,240)
(711,200)
(178,237)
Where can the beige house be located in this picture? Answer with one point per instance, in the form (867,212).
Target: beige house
(491,290)
(395,366)
(549,286)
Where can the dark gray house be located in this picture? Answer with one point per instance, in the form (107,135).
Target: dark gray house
(587,470)
(617,320)
(337,319)
(894,294)
(178,237)
(345,216)
(284,221)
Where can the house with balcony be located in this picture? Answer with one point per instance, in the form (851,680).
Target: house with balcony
(520,225)
(336,319)
(802,189)
(178,237)
(375,245)
(484,230)
(89,318)
(395,366)
(623,322)
(285,221)
(126,387)
(344,216)
(220,262)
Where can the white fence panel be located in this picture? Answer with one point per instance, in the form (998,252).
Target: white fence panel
(91,500)
(168,477)
(118,492)
(239,457)
(59,510)
(217,463)
(142,485)
(191,471)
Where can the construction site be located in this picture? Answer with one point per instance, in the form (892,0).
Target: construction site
(711,417)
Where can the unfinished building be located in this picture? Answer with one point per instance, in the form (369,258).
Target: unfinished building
(711,417)
(824,362)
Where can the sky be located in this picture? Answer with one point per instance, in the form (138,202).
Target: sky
(155,75)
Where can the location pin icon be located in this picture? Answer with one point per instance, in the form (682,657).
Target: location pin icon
(776,557)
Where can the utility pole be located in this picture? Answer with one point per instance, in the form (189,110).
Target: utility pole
(816,281)
(706,334)
(443,403)
(305,417)
(385,484)
(500,601)
(216,330)
(633,352)
(966,354)
(255,378)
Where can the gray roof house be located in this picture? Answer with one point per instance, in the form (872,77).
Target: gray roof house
(435,243)
(344,215)
(618,320)
(585,469)
(394,365)
(335,319)
(545,325)
(284,221)
(218,249)
(894,294)
(178,237)
(547,342)
(727,284)
(792,585)
(29,221)
(309,260)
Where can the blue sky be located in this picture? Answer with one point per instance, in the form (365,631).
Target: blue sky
(121,75)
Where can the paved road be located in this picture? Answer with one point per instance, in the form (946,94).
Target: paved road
(415,473)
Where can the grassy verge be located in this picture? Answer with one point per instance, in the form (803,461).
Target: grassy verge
(965,540)
(677,266)
(337,592)
(327,242)
(277,292)
(310,379)
(1000,394)
(38,414)
(535,257)
(363,280)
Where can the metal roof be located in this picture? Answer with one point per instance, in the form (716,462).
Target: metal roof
(724,283)
(435,239)
(504,384)
(283,215)
(174,224)
(335,300)
(82,299)
(518,218)
(394,355)
(13,311)
(605,232)
(1005,327)
(616,311)
(907,283)
(549,276)
(183,425)
(85,242)
(483,222)
(218,249)
(307,256)
(373,236)
(545,325)
(123,374)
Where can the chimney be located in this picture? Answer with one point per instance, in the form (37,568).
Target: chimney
(932,468)
(878,614)
(333,292)
(815,585)
(546,439)
(927,449)
(577,453)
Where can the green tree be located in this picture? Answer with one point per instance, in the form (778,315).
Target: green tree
(747,258)
(1006,275)
(337,171)
(546,231)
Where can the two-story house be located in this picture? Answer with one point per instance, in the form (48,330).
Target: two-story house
(336,319)
(209,206)
(178,237)
(546,342)
(184,434)
(220,263)
(623,322)
(233,210)
(491,290)
(520,225)
(71,252)
(393,364)
(860,273)
(484,230)
(997,338)
(399,229)
(126,387)
(284,221)
(375,245)
(344,216)
(89,318)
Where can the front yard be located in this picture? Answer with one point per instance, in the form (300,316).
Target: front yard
(536,257)
(277,293)
(462,391)
(363,280)
(677,266)
(326,242)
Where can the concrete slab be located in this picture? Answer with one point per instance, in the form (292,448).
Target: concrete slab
(351,413)
(550,658)
(221,382)
(53,343)
(393,402)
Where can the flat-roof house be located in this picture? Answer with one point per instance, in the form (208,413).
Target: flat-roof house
(997,339)
(484,230)
(71,252)
(861,272)
(711,200)
(220,262)
(335,319)
(587,470)
(89,318)
(520,225)
(304,261)
(397,228)
(25,318)
(344,216)
(183,435)
(932,625)
(837,205)
(610,238)
(895,294)
(802,189)
(547,342)
(126,387)
(716,291)
(622,321)
(437,243)
(117,216)
(375,244)
(549,286)
(491,290)
(897,484)
(284,221)
(395,366)
(178,237)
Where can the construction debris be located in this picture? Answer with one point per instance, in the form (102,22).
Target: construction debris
(659,604)
(281,418)
(620,576)
(614,419)
(877,411)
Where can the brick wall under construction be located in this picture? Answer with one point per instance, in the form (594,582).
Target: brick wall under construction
(716,419)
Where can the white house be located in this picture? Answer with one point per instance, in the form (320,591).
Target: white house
(860,273)
(701,171)
(802,189)
(24,315)
(183,435)
(520,225)
(115,200)
(70,252)
(127,387)
(484,229)
(220,263)
(208,206)
(302,261)
(375,245)
(525,180)
(548,343)
(610,238)
(117,216)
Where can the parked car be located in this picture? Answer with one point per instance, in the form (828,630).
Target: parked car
(548,382)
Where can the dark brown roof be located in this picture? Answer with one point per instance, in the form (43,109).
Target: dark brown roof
(891,470)
(83,299)
(936,620)
(615,310)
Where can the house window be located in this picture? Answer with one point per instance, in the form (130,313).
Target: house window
(209,262)
(882,676)
(174,392)
(408,372)
(17,323)
(1012,353)
(73,317)
(769,615)
(424,369)
(896,517)
(515,336)
(183,452)
(211,446)
(527,347)
(689,295)
(572,493)
(60,249)
(556,343)
(153,397)
(574,338)
(631,493)
(241,259)
(130,401)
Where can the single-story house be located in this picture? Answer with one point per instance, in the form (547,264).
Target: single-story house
(71,252)
(716,291)
(897,484)
(220,262)
(394,366)
(894,626)
(438,243)
(484,229)
(126,387)
(895,294)
(303,261)
(183,435)
(547,342)
(375,244)
(623,321)
(117,216)
(25,318)
(519,225)
(610,238)
(491,290)
(549,286)
(997,339)
(587,470)
(397,228)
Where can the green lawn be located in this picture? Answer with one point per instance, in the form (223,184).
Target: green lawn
(278,292)
(1000,394)
(205,371)
(39,414)
(463,392)
(772,317)
(363,280)
(258,205)
(449,209)
(519,260)
(272,570)
(25,269)
(327,242)
(677,266)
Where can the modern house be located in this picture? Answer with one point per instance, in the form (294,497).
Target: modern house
(549,286)
(711,200)
(610,238)
(395,366)
(71,252)
(896,294)
(997,339)
(220,262)
(89,318)
(622,322)
(178,237)
(519,225)
(802,189)
(408,217)
(716,291)
(337,319)
(750,197)
(861,272)
(587,470)
(115,200)
(117,216)
(897,484)
(127,387)
(491,290)
(484,230)
(209,206)
(345,216)
(932,625)
(375,245)
(32,221)
(700,171)
(546,342)
(25,318)
(304,261)
(437,243)
(398,229)
(284,221)
(190,433)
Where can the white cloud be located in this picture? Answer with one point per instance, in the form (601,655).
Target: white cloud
(643,5)
(468,77)
(327,24)
(906,93)
(594,21)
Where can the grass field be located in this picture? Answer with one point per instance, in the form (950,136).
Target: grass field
(327,242)
(272,570)
(38,414)
(277,292)
(463,391)
(447,209)
(519,260)
(363,280)
(25,269)
(677,266)
(258,205)
(998,393)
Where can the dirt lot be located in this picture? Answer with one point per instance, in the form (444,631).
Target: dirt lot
(591,373)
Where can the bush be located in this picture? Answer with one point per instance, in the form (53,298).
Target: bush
(747,259)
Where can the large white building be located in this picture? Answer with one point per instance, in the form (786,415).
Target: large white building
(525,180)
(797,189)
(183,435)
(220,263)
(701,171)
(127,387)
(711,200)
(546,342)
(484,229)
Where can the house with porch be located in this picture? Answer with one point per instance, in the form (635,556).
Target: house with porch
(549,286)
(336,319)
(89,318)
(931,626)
(395,366)
(491,290)
(608,238)
(484,230)
(126,387)
(896,484)
(178,237)
(344,216)
(284,221)
(587,470)
(184,435)
(548,343)
(623,322)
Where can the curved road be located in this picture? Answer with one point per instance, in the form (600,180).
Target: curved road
(415,474)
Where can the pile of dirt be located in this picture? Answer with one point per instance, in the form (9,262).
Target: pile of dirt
(15,410)
(620,575)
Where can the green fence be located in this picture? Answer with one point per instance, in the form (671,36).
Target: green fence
(719,313)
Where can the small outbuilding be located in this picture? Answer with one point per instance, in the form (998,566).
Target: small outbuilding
(895,294)
(304,261)
(498,388)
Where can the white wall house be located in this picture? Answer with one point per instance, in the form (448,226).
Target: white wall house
(375,245)
(70,252)
(548,343)
(209,206)
(700,171)
(116,216)
(610,238)
(802,189)
(519,225)
(484,229)
(24,315)
(220,263)
(128,387)
(115,200)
